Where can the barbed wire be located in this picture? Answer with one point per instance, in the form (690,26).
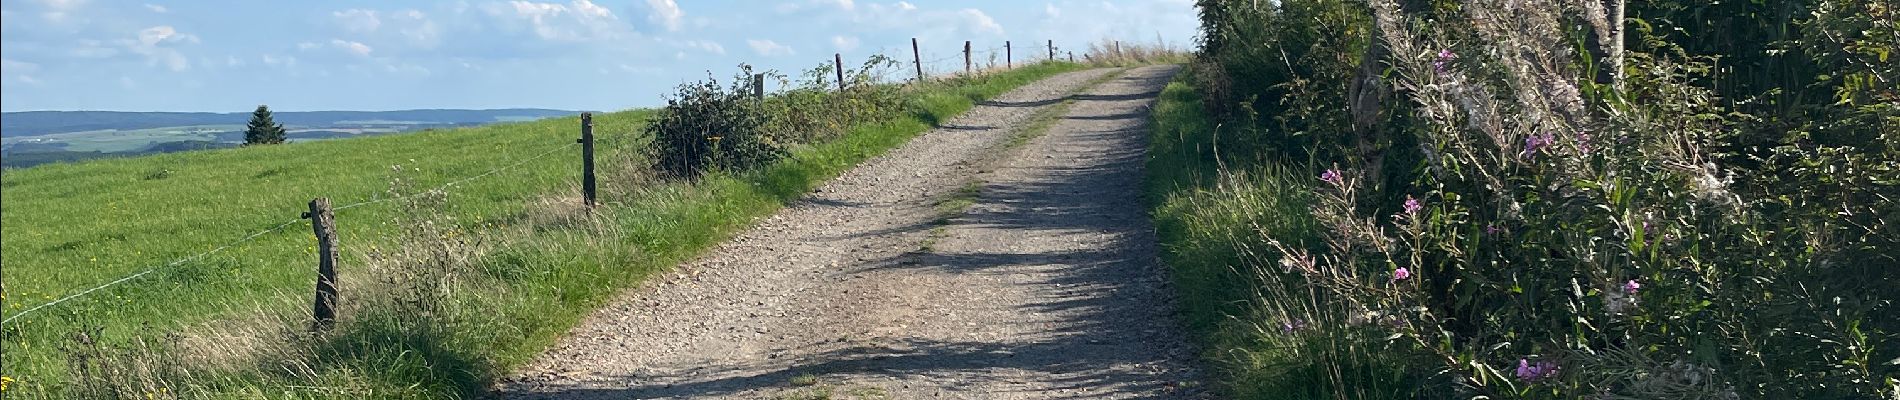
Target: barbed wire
(373,200)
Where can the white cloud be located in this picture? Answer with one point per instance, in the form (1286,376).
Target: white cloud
(345,46)
(59,11)
(164,34)
(925,23)
(418,28)
(979,22)
(1049,10)
(271,60)
(581,20)
(666,13)
(63,5)
(20,71)
(844,4)
(157,8)
(358,20)
(769,48)
(351,47)
(707,45)
(17,67)
(844,43)
(90,48)
(155,43)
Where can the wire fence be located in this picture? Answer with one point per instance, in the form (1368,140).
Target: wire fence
(376,199)
(975,61)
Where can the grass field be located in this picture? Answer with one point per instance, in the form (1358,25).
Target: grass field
(72,226)
(128,140)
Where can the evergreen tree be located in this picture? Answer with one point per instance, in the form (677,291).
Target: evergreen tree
(262,130)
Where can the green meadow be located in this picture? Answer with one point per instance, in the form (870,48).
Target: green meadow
(543,261)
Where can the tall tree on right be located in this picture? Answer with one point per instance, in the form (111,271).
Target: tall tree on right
(262,129)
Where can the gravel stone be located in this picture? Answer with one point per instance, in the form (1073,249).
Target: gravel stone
(1047,287)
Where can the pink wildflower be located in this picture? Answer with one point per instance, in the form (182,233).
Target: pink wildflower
(1411,205)
(1443,63)
(1631,287)
(1532,372)
(1401,274)
(1330,176)
(1536,142)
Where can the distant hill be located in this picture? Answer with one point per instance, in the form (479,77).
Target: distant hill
(35,123)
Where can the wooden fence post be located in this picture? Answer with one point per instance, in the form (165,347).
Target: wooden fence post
(587,158)
(966,57)
(916,58)
(838,61)
(1052,50)
(323,224)
(1008,56)
(1118,51)
(1071,56)
(758,88)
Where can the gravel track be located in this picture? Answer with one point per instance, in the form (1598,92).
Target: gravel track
(1048,286)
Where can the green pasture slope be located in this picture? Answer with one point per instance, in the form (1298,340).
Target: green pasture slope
(69,227)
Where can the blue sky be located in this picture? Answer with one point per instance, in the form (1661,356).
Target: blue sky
(577,54)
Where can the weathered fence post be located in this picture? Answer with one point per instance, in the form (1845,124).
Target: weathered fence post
(1118,51)
(587,158)
(1008,56)
(838,61)
(323,223)
(1052,50)
(758,88)
(916,58)
(966,57)
(1071,56)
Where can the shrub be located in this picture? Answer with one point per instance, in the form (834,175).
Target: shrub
(1575,219)
(707,126)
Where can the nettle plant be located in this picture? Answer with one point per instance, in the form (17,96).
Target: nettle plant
(1570,234)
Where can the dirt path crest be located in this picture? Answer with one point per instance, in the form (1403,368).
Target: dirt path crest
(1047,287)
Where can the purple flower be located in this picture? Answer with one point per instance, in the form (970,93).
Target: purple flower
(1331,176)
(1443,62)
(1532,372)
(1411,205)
(1292,325)
(1631,287)
(1401,274)
(1583,141)
(1536,142)
(1492,230)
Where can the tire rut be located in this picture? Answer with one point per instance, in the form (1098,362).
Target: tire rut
(1048,287)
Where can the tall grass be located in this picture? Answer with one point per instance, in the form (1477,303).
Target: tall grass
(1522,200)
(1117,53)
(523,263)
(1213,210)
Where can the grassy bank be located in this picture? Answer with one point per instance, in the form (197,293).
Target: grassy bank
(1213,211)
(540,265)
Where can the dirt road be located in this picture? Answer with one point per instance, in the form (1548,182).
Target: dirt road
(1047,286)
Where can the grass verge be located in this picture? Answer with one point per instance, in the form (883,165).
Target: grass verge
(1212,212)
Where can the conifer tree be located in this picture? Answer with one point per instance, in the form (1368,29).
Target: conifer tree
(262,130)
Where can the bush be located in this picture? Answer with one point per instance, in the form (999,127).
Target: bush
(1574,219)
(707,126)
